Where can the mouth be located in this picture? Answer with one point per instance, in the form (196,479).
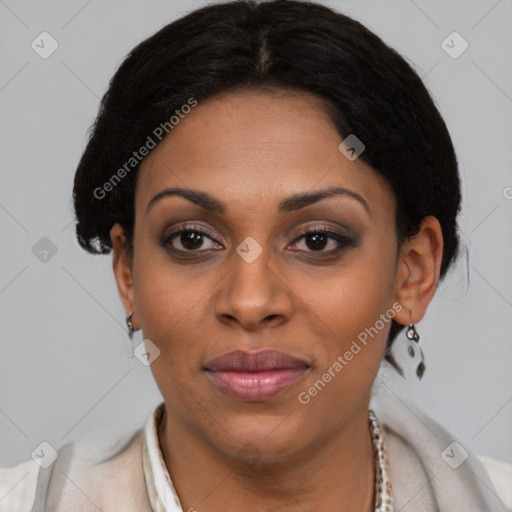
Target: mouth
(256,376)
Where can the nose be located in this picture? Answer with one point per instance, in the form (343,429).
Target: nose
(254,294)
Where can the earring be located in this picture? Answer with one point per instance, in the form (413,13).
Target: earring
(414,339)
(130,325)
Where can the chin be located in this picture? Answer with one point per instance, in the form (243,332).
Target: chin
(265,441)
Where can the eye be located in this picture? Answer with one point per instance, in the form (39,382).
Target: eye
(316,239)
(189,238)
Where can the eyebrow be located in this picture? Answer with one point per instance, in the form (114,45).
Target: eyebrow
(292,203)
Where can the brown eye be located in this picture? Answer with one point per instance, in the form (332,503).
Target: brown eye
(318,239)
(188,239)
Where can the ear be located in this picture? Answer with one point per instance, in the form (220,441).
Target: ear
(418,271)
(122,266)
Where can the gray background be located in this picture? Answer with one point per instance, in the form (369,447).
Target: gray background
(65,370)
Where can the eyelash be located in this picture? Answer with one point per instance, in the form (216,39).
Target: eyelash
(343,240)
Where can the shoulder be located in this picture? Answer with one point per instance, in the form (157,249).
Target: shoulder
(18,487)
(99,470)
(500,474)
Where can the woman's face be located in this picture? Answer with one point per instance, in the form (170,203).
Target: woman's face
(246,278)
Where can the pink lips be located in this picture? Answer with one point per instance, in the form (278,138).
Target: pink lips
(255,376)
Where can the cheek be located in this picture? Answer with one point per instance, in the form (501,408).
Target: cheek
(357,306)
(356,294)
(349,355)
(166,299)
(175,311)
(168,305)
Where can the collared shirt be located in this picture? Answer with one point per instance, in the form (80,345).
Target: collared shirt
(164,498)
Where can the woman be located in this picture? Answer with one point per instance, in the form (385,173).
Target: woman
(279,193)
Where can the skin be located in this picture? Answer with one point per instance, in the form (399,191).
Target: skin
(251,150)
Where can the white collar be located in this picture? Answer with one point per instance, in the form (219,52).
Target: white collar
(161,492)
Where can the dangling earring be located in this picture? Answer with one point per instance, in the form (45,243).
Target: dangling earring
(130,325)
(414,339)
(131,330)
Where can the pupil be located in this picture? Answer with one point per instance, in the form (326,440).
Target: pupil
(191,240)
(316,238)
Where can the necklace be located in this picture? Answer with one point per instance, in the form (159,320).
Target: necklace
(383,492)
(162,494)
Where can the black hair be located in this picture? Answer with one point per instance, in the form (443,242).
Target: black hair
(369,89)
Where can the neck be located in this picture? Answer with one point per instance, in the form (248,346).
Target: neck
(337,475)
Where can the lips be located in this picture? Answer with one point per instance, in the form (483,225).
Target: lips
(265,360)
(255,376)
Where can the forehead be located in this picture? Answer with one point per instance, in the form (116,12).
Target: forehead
(251,145)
